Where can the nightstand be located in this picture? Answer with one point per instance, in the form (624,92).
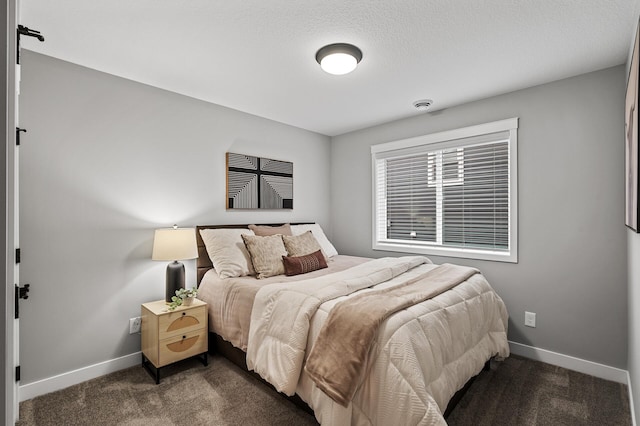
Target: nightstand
(171,336)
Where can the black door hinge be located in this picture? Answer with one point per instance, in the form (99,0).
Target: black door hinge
(21,293)
(17,255)
(17,373)
(22,30)
(18,130)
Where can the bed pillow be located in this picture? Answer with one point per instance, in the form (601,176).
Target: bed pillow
(327,248)
(227,251)
(296,265)
(266,254)
(301,245)
(265,230)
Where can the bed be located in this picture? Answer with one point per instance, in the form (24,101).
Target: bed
(444,324)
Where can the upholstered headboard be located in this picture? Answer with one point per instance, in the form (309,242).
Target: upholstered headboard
(203,262)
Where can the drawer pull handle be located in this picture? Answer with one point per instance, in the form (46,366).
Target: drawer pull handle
(184,313)
(184,337)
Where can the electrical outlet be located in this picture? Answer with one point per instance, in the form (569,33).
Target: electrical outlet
(134,325)
(530,319)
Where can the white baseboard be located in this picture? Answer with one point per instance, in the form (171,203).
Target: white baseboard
(61,381)
(571,363)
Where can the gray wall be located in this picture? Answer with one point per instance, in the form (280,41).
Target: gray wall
(572,268)
(105,162)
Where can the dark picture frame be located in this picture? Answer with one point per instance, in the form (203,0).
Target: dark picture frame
(258,183)
(631,139)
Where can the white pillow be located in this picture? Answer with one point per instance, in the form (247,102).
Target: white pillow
(327,248)
(227,251)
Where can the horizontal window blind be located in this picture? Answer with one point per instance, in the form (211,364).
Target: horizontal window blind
(453,194)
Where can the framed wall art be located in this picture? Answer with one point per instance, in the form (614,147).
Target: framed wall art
(258,183)
(631,140)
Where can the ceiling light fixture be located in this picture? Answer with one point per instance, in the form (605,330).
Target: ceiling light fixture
(339,58)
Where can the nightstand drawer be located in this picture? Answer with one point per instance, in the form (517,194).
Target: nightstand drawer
(182,346)
(170,336)
(181,322)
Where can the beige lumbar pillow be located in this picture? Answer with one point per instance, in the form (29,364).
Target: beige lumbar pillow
(266,230)
(266,254)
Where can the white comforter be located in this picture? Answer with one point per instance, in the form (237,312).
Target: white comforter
(422,356)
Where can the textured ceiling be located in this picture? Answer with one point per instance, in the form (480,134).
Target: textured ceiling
(258,56)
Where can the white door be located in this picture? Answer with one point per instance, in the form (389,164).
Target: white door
(11,325)
(16,219)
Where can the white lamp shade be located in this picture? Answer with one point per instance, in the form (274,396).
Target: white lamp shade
(174,244)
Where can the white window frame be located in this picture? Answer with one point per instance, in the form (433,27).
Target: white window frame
(379,241)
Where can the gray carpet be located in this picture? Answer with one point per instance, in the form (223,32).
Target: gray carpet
(188,394)
(517,391)
(520,391)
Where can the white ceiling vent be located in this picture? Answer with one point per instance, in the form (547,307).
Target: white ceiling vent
(423,104)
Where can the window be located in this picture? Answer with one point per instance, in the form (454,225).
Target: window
(450,194)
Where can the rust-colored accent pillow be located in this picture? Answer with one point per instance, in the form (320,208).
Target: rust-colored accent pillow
(296,265)
(266,230)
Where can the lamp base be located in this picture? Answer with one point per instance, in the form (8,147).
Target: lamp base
(175,279)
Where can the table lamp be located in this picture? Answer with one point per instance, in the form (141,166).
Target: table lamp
(174,244)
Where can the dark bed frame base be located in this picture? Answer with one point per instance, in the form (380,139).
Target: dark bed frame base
(218,345)
(455,399)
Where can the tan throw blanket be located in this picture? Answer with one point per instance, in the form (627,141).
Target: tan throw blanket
(338,358)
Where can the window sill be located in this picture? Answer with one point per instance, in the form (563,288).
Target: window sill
(466,253)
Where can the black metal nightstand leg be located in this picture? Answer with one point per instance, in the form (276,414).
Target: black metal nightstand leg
(151,369)
(155,371)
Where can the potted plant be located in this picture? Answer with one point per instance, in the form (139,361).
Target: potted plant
(183,296)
